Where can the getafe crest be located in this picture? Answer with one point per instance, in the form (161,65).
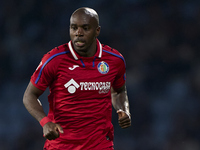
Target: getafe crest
(103,67)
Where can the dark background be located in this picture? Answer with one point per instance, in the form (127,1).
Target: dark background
(160,42)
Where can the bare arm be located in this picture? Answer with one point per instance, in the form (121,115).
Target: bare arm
(31,102)
(121,104)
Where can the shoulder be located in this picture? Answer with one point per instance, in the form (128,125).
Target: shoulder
(109,51)
(54,57)
(57,52)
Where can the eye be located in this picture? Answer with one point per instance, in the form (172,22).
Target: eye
(73,27)
(86,28)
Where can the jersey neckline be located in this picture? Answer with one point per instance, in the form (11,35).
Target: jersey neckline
(77,56)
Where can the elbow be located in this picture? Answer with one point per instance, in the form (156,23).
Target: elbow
(25,99)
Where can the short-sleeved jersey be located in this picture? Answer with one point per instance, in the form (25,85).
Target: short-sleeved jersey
(80,94)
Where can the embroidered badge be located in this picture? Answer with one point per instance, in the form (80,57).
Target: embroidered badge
(103,67)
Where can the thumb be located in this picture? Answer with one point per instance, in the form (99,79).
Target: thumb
(60,129)
(120,113)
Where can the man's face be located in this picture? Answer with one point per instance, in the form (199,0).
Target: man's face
(83,31)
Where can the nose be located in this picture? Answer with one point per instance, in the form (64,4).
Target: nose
(79,32)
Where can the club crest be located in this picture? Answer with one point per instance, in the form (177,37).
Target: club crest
(103,67)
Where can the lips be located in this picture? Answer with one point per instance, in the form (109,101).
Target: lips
(80,43)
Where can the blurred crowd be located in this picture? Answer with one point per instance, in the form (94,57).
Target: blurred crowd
(160,40)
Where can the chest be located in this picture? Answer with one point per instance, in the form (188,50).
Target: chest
(86,75)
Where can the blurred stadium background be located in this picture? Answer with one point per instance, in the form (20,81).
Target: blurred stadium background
(160,40)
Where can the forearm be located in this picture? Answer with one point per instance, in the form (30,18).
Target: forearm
(120,100)
(34,107)
(32,103)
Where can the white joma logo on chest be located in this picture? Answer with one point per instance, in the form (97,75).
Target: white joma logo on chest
(73,67)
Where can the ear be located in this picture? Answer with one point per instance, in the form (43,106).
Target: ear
(98,31)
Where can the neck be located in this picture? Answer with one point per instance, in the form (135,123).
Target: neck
(90,51)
